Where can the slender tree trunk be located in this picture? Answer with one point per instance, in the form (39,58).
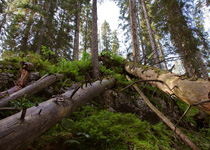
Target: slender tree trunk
(162,55)
(156,57)
(202,66)
(140,36)
(86,31)
(164,119)
(94,50)
(76,40)
(17,133)
(134,32)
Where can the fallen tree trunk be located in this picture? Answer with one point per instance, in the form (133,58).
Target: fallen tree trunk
(165,119)
(31,89)
(195,92)
(17,134)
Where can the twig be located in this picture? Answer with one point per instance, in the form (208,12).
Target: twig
(186,111)
(9,109)
(146,81)
(23,113)
(63,126)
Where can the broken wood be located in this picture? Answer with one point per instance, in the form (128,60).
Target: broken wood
(165,119)
(195,92)
(31,89)
(17,134)
(21,82)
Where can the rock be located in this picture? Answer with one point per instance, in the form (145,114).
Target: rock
(33,76)
(127,103)
(6,80)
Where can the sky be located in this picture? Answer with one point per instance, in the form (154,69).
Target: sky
(108,11)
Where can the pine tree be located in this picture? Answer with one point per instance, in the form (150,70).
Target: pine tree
(115,42)
(106,36)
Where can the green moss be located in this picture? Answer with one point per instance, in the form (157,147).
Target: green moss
(91,128)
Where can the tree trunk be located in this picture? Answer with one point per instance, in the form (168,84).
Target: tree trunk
(76,40)
(193,92)
(31,89)
(24,41)
(134,32)
(94,50)
(16,133)
(141,39)
(202,66)
(156,57)
(162,55)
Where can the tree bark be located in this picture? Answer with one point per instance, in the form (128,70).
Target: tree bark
(202,66)
(162,55)
(76,40)
(141,40)
(191,91)
(156,57)
(31,89)
(94,49)
(134,32)
(21,82)
(17,134)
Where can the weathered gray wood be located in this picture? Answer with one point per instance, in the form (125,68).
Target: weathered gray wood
(192,91)
(31,89)
(17,134)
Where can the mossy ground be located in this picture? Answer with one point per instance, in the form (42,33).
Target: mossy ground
(92,127)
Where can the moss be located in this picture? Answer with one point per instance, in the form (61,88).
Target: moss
(91,128)
(145,68)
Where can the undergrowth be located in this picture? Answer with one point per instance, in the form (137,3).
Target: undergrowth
(91,128)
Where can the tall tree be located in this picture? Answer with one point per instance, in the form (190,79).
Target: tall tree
(115,42)
(94,49)
(86,27)
(134,33)
(76,38)
(106,36)
(44,19)
(155,52)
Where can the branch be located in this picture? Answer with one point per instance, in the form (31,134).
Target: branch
(166,120)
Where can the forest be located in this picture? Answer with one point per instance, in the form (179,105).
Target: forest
(68,83)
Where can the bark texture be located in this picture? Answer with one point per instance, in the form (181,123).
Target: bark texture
(31,89)
(191,91)
(134,33)
(202,66)
(94,49)
(17,134)
(76,40)
(154,49)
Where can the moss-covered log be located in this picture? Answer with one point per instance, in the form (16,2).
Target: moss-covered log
(17,133)
(193,91)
